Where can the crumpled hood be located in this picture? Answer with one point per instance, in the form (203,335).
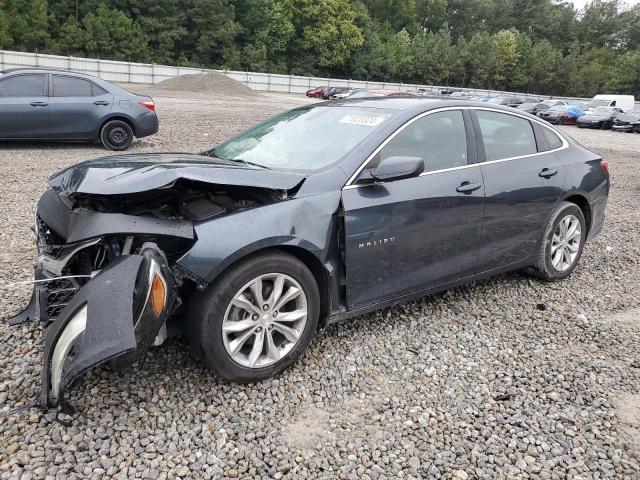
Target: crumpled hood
(140,172)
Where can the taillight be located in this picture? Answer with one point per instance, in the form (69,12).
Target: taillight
(148,104)
(605,166)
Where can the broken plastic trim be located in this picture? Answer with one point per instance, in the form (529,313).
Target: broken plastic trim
(111,316)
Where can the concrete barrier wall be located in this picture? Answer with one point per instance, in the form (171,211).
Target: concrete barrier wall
(130,72)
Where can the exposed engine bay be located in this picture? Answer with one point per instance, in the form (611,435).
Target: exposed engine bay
(183,200)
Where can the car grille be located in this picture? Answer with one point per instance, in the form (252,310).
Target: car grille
(59,293)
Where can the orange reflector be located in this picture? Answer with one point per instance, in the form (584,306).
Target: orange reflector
(158,295)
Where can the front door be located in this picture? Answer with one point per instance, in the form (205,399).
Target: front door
(412,234)
(24,106)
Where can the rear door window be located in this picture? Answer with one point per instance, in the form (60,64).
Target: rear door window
(505,136)
(64,86)
(31,85)
(553,140)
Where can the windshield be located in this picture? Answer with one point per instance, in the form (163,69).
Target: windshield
(599,103)
(558,108)
(307,138)
(499,100)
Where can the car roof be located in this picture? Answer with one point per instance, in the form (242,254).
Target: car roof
(410,102)
(47,70)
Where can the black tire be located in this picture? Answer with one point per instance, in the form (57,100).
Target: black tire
(116,135)
(543,268)
(208,308)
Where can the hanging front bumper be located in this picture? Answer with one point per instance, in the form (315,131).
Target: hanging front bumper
(118,313)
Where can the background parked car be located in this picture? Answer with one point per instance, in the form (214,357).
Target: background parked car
(480,98)
(562,114)
(346,93)
(624,102)
(508,101)
(461,96)
(628,121)
(316,92)
(365,94)
(60,105)
(331,91)
(599,117)
(532,107)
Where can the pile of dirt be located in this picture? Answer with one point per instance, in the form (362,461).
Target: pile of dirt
(212,83)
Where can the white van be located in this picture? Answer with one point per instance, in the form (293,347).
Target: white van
(625,102)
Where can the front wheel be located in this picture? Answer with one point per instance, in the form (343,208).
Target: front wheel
(257,318)
(116,135)
(562,244)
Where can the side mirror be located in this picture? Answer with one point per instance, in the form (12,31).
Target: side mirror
(397,168)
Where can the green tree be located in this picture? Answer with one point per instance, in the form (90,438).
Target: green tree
(479,60)
(400,56)
(28,23)
(505,44)
(71,40)
(325,29)
(544,67)
(111,34)
(625,75)
(6,40)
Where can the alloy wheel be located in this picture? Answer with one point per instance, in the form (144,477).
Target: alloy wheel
(565,243)
(265,320)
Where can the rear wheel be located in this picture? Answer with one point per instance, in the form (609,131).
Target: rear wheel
(562,244)
(116,135)
(257,319)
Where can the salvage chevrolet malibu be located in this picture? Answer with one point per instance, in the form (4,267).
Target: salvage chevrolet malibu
(318,214)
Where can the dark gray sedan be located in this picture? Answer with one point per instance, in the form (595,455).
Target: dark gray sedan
(39,104)
(318,214)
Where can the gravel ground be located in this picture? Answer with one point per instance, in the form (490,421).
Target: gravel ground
(506,378)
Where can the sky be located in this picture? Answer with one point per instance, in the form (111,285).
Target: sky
(581,3)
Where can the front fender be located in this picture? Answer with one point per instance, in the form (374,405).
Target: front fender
(307,222)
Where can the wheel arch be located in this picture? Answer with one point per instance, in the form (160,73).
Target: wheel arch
(319,271)
(583,204)
(118,116)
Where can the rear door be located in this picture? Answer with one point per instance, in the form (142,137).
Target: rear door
(523,180)
(24,106)
(408,235)
(77,107)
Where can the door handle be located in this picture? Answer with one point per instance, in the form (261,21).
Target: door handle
(39,104)
(547,172)
(101,102)
(468,187)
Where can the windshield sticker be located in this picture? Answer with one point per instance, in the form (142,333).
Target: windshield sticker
(367,120)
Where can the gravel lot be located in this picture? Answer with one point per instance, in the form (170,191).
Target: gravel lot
(507,378)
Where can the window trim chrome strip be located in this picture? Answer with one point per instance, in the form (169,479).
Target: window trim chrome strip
(565,143)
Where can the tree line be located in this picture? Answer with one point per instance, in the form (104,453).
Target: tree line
(539,46)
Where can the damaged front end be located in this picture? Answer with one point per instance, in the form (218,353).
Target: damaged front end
(91,312)
(107,277)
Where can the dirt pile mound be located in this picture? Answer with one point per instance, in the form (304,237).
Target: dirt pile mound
(211,83)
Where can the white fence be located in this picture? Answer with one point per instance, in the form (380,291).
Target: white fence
(129,72)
